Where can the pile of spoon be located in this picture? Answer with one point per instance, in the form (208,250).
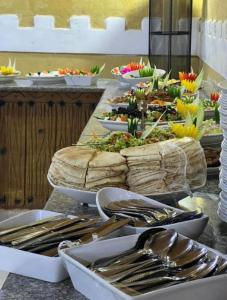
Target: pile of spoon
(142,214)
(159,259)
(44,236)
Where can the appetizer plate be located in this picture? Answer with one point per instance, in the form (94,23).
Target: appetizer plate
(78,195)
(29,264)
(96,288)
(133,78)
(192,228)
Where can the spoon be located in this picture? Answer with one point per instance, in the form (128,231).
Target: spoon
(104,262)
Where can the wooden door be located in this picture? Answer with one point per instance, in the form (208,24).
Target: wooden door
(12,154)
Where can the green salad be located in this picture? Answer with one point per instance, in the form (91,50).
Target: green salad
(118,140)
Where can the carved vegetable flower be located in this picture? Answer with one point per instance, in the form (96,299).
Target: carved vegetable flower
(187,76)
(181,130)
(214,96)
(184,109)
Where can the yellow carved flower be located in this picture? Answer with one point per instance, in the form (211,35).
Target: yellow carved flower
(181,131)
(190,86)
(7,70)
(186,108)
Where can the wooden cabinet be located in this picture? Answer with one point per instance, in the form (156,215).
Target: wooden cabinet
(33,125)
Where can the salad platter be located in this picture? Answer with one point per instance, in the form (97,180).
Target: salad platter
(117,119)
(135,73)
(78,77)
(46,77)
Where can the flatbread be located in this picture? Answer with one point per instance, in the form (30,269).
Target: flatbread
(156,187)
(106,159)
(69,170)
(145,168)
(120,168)
(151,149)
(58,174)
(95,176)
(106,181)
(75,156)
(141,178)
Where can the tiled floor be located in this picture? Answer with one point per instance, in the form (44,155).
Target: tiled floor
(5,214)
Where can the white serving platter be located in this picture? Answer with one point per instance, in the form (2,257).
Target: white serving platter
(96,288)
(29,264)
(90,197)
(39,80)
(8,78)
(78,195)
(123,126)
(192,228)
(136,79)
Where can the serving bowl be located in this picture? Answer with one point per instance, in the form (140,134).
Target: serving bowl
(191,228)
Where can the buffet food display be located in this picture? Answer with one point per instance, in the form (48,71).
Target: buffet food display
(160,144)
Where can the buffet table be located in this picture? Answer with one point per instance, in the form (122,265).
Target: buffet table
(215,235)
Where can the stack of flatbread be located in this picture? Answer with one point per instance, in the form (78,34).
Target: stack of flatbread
(150,169)
(106,169)
(69,167)
(87,169)
(145,174)
(166,166)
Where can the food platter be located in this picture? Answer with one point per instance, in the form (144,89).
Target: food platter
(133,78)
(46,78)
(123,126)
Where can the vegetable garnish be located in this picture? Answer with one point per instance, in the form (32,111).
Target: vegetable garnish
(181,130)
(184,109)
(191,82)
(8,70)
(214,96)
